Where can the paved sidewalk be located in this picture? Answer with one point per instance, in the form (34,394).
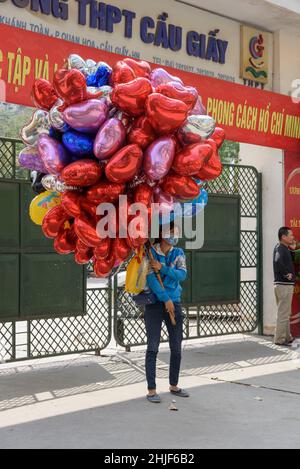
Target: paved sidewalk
(244,394)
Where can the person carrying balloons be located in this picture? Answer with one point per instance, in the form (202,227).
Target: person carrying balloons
(168,263)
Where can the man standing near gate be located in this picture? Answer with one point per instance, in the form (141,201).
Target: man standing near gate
(285,279)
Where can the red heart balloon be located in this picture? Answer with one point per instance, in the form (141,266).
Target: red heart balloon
(54,220)
(125,164)
(70,201)
(121,249)
(213,168)
(131,97)
(141,133)
(165,114)
(103,267)
(138,230)
(82,173)
(83,258)
(86,232)
(176,90)
(70,85)
(43,94)
(143,194)
(65,242)
(122,73)
(181,187)
(140,67)
(105,191)
(192,158)
(81,247)
(218,136)
(103,250)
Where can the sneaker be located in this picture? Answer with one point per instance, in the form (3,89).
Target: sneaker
(155,398)
(180,393)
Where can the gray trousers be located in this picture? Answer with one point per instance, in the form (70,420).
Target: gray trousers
(284,297)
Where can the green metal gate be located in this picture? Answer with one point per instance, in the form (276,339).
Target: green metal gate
(45,308)
(213,318)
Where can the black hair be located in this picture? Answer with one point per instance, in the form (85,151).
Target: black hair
(283,231)
(159,239)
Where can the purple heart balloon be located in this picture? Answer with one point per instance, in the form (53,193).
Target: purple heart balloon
(199,109)
(87,116)
(30,158)
(109,139)
(159,76)
(53,155)
(159,157)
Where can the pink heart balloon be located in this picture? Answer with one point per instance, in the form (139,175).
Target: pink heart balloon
(87,116)
(53,154)
(159,157)
(109,139)
(199,109)
(159,76)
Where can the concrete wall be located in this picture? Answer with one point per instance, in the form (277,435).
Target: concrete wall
(269,162)
(286,61)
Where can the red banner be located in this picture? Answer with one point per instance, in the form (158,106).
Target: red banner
(292,219)
(248,115)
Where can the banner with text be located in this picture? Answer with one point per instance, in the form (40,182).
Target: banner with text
(248,115)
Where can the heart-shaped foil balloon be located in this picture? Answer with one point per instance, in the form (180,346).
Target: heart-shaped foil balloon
(122,73)
(140,68)
(82,173)
(159,76)
(70,201)
(78,144)
(120,249)
(103,267)
(131,97)
(176,90)
(53,154)
(30,158)
(100,77)
(165,201)
(43,94)
(86,232)
(213,168)
(165,115)
(83,258)
(141,133)
(109,139)
(52,183)
(88,116)
(77,62)
(125,164)
(196,129)
(53,221)
(181,187)
(56,118)
(105,191)
(143,194)
(65,241)
(38,125)
(159,157)
(218,136)
(103,250)
(70,85)
(192,158)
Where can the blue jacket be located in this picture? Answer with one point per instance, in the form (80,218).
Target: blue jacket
(173,272)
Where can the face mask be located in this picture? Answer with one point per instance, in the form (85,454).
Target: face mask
(173,241)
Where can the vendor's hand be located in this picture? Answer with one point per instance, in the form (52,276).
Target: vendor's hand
(156,266)
(170,307)
(289,277)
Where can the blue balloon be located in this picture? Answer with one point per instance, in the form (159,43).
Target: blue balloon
(78,144)
(100,77)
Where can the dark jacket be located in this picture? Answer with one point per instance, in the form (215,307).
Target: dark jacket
(283,263)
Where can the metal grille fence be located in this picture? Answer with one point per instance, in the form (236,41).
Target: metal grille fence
(204,321)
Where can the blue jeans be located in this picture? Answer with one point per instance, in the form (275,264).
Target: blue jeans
(154,316)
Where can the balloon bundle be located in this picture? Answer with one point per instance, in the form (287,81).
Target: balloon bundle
(102,132)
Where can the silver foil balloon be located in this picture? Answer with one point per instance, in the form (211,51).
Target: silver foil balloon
(39,124)
(51,183)
(106,93)
(77,62)
(91,66)
(196,129)
(55,116)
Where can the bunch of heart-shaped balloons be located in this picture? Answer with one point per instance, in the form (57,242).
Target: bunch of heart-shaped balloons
(101,132)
